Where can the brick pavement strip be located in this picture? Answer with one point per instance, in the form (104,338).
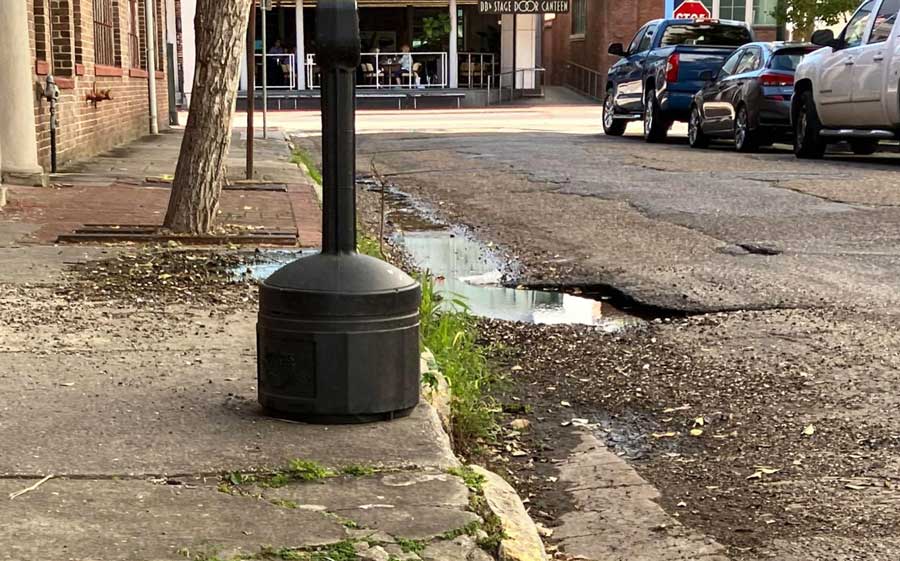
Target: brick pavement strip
(112,189)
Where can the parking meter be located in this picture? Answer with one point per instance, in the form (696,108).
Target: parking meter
(51,94)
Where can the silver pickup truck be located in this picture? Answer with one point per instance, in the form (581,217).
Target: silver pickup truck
(848,90)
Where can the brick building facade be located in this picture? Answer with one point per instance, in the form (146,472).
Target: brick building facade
(92,47)
(575,44)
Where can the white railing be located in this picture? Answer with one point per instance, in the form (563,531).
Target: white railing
(477,69)
(510,81)
(585,80)
(286,62)
(384,70)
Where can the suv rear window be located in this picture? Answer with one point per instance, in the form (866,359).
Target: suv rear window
(705,34)
(788,60)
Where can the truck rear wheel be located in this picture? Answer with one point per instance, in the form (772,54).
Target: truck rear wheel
(808,141)
(655,128)
(611,125)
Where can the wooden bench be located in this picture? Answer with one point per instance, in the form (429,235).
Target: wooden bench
(459,96)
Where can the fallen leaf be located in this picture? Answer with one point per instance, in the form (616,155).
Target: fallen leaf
(664,434)
(696,432)
(674,409)
(854,487)
(682,504)
(518,453)
(809,430)
(520,424)
(67,384)
(699,421)
(164,276)
(516,368)
(565,404)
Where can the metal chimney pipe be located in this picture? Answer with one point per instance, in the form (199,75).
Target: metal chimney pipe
(338,49)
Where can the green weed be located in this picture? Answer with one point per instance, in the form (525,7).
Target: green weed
(451,334)
(411,546)
(473,480)
(367,245)
(357,470)
(303,157)
(341,551)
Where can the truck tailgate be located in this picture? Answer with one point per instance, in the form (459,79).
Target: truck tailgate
(694,60)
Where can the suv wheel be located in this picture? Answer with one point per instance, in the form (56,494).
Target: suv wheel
(808,142)
(655,128)
(611,125)
(745,139)
(696,137)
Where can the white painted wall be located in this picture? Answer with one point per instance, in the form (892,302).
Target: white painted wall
(188,9)
(525,47)
(171,37)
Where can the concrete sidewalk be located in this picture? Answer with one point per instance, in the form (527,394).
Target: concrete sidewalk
(138,401)
(128,185)
(141,414)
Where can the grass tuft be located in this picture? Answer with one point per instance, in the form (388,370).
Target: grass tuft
(411,546)
(451,334)
(473,480)
(304,158)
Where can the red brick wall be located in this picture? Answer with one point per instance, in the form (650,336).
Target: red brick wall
(765,33)
(86,129)
(607,22)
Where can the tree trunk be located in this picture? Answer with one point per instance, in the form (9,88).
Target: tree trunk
(220,28)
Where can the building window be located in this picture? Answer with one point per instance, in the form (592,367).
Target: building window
(579,19)
(135,45)
(105,31)
(733,9)
(762,12)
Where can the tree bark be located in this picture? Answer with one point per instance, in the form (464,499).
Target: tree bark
(220,27)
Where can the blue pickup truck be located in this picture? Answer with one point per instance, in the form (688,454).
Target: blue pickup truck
(658,74)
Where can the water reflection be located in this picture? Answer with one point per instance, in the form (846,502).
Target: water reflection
(466,267)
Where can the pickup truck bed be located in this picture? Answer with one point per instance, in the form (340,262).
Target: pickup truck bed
(657,77)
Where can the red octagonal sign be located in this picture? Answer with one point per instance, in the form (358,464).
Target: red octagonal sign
(691,9)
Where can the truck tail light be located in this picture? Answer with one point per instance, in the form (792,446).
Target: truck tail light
(672,68)
(772,79)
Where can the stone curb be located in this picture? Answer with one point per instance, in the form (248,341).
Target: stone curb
(522,541)
(438,395)
(2,196)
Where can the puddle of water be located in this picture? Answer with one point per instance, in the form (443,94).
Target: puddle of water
(267,261)
(465,267)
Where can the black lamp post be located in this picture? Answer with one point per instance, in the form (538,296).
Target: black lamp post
(338,332)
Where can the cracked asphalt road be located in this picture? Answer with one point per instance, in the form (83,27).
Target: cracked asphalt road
(790,268)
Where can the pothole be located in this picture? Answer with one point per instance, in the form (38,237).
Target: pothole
(759,249)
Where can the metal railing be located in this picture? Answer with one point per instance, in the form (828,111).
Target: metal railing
(286,62)
(586,80)
(385,70)
(521,86)
(475,69)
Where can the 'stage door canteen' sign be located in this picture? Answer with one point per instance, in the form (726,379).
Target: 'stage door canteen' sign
(523,6)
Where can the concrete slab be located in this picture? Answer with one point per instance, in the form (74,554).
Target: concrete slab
(615,516)
(129,520)
(411,505)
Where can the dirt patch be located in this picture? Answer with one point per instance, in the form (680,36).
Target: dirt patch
(165,276)
(770,456)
